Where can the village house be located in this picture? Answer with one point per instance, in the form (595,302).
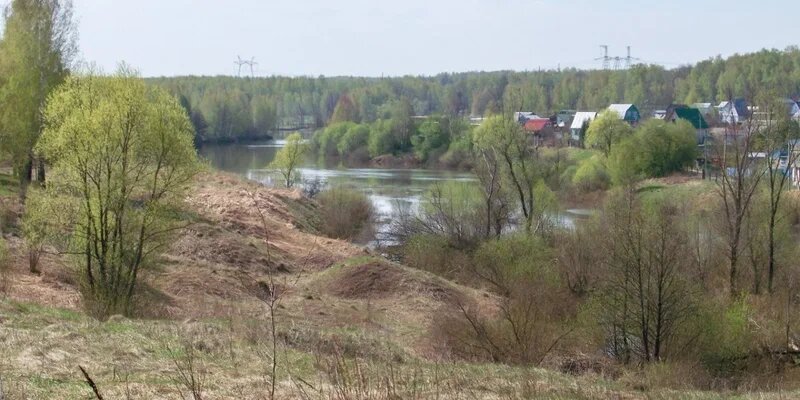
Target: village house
(792,109)
(706,109)
(538,126)
(627,112)
(582,119)
(690,114)
(733,112)
(524,116)
(563,117)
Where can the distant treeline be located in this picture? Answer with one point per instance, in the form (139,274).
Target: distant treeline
(229,108)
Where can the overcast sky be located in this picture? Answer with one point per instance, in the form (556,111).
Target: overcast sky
(376,37)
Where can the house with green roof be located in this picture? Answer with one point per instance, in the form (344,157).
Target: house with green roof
(692,115)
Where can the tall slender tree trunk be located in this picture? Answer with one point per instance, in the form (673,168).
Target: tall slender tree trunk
(771,251)
(734,261)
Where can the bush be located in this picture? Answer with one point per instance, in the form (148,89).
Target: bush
(591,174)
(433,254)
(345,213)
(533,309)
(727,337)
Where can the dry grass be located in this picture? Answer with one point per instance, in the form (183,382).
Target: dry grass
(43,346)
(350,325)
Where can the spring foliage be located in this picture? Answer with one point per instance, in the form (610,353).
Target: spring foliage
(122,158)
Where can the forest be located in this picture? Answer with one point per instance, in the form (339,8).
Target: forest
(229,108)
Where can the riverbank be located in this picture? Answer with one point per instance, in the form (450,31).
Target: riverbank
(200,142)
(347,322)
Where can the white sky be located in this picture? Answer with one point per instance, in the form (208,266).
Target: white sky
(377,37)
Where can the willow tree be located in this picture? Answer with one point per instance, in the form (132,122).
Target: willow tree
(607,130)
(502,139)
(37,47)
(289,158)
(122,160)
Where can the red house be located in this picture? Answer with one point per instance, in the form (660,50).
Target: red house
(538,126)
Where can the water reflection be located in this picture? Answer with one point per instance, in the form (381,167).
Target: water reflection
(390,190)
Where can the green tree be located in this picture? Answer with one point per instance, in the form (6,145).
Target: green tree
(356,137)
(122,160)
(402,123)
(607,130)
(381,141)
(508,143)
(289,158)
(656,149)
(37,47)
(430,136)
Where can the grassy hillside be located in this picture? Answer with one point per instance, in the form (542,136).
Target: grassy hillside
(349,324)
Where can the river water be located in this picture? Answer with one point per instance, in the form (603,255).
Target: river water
(390,190)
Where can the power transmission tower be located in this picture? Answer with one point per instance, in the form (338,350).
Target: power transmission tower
(617,62)
(629,60)
(605,58)
(239,62)
(251,63)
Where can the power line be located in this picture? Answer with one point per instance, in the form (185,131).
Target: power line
(617,60)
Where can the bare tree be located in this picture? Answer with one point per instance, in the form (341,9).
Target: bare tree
(781,143)
(271,293)
(736,185)
(496,210)
(190,374)
(647,292)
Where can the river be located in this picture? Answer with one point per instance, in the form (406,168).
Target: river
(388,189)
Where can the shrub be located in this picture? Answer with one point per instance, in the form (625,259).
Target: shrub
(532,311)
(345,213)
(453,210)
(727,337)
(433,254)
(591,175)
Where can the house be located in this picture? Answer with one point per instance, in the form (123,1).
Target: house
(627,112)
(523,116)
(705,109)
(792,108)
(563,117)
(695,118)
(733,112)
(660,114)
(794,147)
(538,126)
(581,120)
